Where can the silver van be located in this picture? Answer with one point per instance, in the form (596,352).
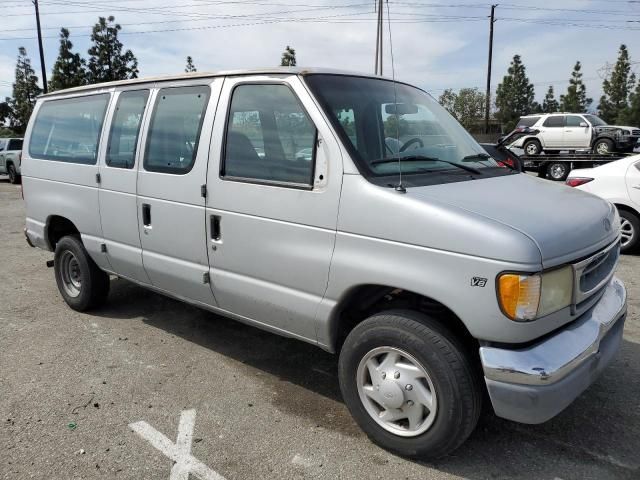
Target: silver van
(345,210)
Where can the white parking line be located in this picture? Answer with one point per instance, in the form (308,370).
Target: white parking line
(179,452)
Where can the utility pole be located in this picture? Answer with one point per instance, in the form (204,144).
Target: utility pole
(379,36)
(44,70)
(488,94)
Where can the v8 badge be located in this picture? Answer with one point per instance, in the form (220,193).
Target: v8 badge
(478,282)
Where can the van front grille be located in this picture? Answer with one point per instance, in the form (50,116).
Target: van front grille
(592,273)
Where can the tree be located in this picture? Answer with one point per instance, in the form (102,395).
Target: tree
(190,66)
(107,61)
(288,57)
(631,115)
(617,88)
(5,113)
(25,91)
(69,69)
(467,106)
(575,100)
(550,104)
(514,96)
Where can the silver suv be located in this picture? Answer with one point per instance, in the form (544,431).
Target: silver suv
(410,258)
(573,131)
(10,158)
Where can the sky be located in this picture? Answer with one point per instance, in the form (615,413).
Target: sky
(437,44)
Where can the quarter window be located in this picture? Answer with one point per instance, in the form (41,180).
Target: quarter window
(14,144)
(68,130)
(125,128)
(527,121)
(554,122)
(269,136)
(172,142)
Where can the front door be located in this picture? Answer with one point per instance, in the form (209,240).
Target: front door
(274,182)
(118,205)
(577,133)
(171,205)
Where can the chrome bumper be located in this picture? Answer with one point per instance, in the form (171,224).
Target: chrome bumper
(535,383)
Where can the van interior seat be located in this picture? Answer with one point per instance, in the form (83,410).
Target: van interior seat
(241,157)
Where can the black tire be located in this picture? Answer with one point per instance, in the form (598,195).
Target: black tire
(603,146)
(633,227)
(457,385)
(13,175)
(93,282)
(558,171)
(532,147)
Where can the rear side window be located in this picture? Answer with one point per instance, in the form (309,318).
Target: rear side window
(556,121)
(15,144)
(68,130)
(527,121)
(125,128)
(269,136)
(172,141)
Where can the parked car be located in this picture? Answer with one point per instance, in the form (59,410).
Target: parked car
(417,266)
(10,152)
(575,131)
(619,183)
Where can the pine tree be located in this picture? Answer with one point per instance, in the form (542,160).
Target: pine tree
(550,104)
(617,88)
(25,91)
(288,57)
(514,96)
(631,115)
(190,66)
(575,100)
(69,69)
(107,61)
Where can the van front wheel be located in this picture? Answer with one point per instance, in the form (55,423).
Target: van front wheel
(409,384)
(80,281)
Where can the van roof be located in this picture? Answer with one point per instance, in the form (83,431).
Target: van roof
(224,73)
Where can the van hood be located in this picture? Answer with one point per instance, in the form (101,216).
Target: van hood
(563,222)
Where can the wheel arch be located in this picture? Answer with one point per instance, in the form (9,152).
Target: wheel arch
(56,227)
(362,301)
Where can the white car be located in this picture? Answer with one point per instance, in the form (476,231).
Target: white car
(618,182)
(10,158)
(575,131)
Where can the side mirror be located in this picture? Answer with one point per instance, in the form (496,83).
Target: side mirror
(584,124)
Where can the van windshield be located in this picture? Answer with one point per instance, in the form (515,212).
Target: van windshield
(379,124)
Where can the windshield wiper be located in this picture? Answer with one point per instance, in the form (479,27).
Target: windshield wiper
(423,158)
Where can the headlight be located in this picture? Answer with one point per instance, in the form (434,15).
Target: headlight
(524,297)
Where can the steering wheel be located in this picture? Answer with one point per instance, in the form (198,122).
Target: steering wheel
(410,142)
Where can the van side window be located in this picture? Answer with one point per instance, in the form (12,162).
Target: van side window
(269,136)
(125,128)
(172,141)
(68,130)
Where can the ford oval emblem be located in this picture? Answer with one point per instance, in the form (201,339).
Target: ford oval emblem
(607,224)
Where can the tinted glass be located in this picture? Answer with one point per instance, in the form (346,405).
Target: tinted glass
(2,143)
(527,121)
(172,142)
(125,128)
(15,144)
(269,136)
(573,121)
(555,121)
(68,130)
(595,121)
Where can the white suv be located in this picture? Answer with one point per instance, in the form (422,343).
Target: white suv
(575,131)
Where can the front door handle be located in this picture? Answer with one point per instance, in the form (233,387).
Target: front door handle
(146,215)
(216,232)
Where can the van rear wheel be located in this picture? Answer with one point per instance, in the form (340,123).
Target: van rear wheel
(409,384)
(80,281)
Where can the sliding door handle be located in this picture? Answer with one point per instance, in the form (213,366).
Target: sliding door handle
(216,232)
(146,215)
